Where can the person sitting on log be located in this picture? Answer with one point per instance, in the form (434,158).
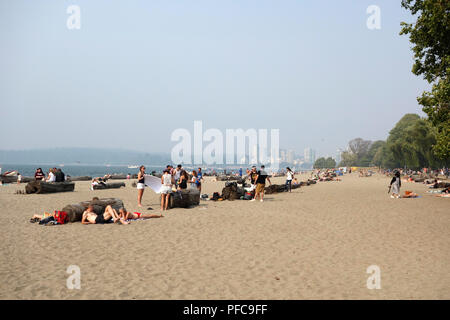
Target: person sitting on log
(90,217)
(127,215)
(51,176)
(39,175)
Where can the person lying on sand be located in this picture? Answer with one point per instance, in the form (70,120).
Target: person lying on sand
(39,217)
(127,215)
(90,217)
(410,194)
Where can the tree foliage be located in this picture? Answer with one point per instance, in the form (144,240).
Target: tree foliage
(409,144)
(430,36)
(323,163)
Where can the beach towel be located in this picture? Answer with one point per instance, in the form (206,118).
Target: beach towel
(153,182)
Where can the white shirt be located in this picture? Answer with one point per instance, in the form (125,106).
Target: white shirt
(167,178)
(289,175)
(51,177)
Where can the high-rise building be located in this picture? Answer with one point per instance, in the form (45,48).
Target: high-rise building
(338,156)
(290,156)
(310,155)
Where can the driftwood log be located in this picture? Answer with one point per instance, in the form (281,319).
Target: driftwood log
(13,179)
(49,187)
(184,199)
(80,178)
(75,211)
(112,185)
(227,178)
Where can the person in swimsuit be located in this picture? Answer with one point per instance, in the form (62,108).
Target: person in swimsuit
(90,217)
(182,182)
(126,215)
(141,184)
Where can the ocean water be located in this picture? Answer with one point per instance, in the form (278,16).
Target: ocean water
(78,170)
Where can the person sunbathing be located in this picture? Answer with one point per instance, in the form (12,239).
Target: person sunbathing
(410,194)
(39,217)
(90,217)
(127,215)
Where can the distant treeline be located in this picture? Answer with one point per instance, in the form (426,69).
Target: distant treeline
(410,143)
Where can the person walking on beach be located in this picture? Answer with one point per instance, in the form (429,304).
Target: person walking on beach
(141,184)
(261,184)
(166,189)
(19,178)
(395,184)
(289,178)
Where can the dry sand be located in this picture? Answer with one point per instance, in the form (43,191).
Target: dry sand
(315,243)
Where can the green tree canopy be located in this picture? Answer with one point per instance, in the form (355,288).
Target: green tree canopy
(430,36)
(323,163)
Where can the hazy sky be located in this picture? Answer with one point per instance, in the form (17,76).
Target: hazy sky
(137,70)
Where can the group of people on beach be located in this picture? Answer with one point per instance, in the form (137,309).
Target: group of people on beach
(172,178)
(54,175)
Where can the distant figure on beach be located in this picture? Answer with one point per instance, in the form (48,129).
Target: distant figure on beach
(199,179)
(289,178)
(261,184)
(177,175)
(19,178)
(240,172)
(395,184)
(194,181)
(39,175)
(90,217)
(167,182)
(141,184)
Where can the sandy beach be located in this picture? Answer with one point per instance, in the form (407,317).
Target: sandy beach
(315,243)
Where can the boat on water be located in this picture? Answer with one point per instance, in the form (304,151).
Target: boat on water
(133,167)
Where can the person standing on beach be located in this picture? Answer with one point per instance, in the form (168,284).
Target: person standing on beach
(177,175)
(395,184)
(199,179)
(289,178)
(141,184)
(19,178)
(166,189)
(261,184)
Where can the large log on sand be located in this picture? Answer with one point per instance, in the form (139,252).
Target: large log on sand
(75,211)
(80,178)
(13,179)
(113,185)
(49,187)
(184,199)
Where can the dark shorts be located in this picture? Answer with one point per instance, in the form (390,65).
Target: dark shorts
(101,220)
